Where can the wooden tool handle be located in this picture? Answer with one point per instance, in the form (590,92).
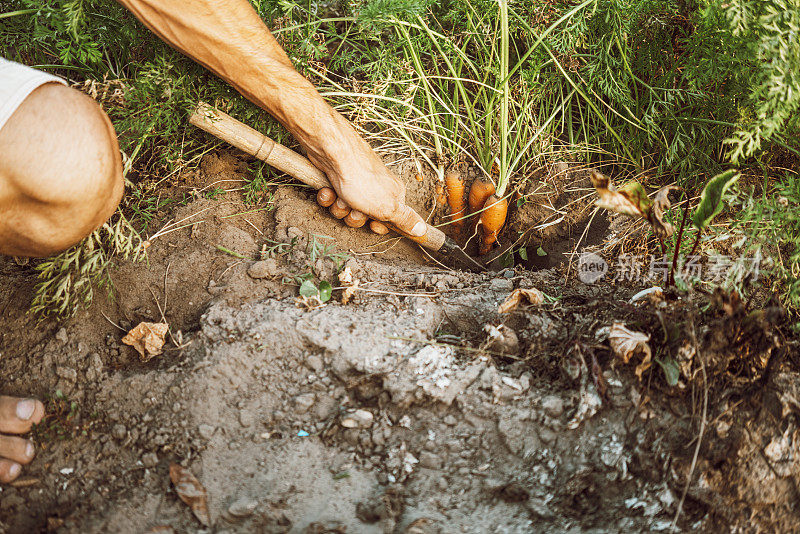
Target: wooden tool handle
(432,240)
(246,139)
(253,142)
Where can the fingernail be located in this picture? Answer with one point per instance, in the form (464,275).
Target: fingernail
(14,470)
(29,450)
(25,409)
(419,229)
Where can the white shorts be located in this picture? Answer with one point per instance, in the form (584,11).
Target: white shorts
(16,83)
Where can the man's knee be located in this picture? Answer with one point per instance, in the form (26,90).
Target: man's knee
(60,152)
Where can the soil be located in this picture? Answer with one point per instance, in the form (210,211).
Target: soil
(413,407)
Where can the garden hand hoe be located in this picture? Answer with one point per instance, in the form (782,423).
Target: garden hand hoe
(256,144)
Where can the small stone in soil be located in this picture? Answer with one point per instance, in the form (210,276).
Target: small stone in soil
(119,432)
(150,459)
(315,363)
(302,403)
(246,418)
(501,284)
(242,507)
(205,431)
(358,419)
(553,406)
(547,435)
(325,407)
(429,460)
(67,373)
(263,268)
(61,335)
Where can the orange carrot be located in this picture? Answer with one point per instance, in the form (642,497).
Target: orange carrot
(454,184)
(478,193)
(493,217)
(441,199)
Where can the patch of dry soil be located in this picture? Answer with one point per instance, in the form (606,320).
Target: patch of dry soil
(400,411)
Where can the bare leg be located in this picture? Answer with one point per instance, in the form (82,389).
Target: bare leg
(60,178)
(60,172)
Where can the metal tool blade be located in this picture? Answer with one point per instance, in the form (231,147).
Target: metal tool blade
(456,254)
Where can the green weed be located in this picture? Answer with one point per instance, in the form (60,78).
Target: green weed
(671,89)
(68,280)
(318,249)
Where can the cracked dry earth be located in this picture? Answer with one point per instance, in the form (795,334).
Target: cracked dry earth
(416,407)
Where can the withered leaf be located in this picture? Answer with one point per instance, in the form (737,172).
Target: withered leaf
(531,296)
(190,492)
(147,339)
(351,285)
(661,204)
(630,199)
(349,292)
(627,343)
(661,197)
(346,276)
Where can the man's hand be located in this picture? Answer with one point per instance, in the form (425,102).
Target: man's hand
(365,188)
(229,38)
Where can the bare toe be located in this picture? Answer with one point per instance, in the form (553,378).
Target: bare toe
(16,449)
(339,209)
(18,415)
(9,471)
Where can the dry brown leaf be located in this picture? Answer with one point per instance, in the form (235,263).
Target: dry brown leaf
(627,343)
(346,276)
(531,296)
(631,199)
(147,339)
(347,279)
(661,204)
(349,292)
(661,197)
(191,492)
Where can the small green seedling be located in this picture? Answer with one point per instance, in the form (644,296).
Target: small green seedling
(711,200)
(322,292)
(671,370)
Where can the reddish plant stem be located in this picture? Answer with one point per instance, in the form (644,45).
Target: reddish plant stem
(671,279)
(696,242)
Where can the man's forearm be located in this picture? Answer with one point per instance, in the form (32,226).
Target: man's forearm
(229,38)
